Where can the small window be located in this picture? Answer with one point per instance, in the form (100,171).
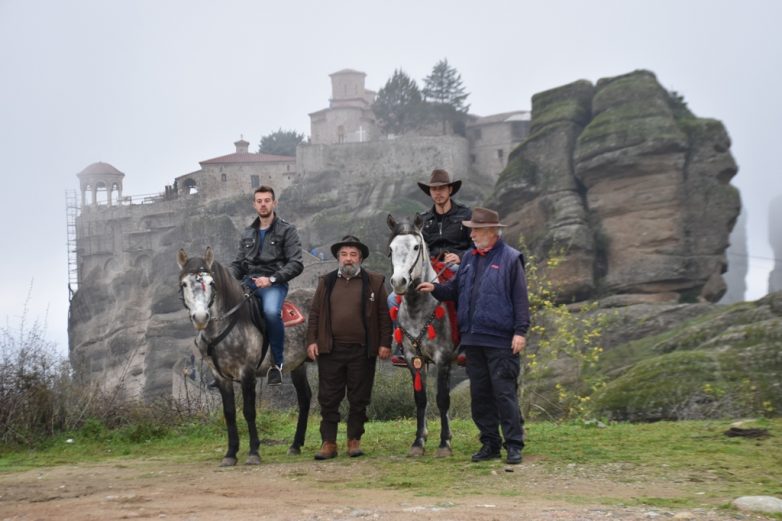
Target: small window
(473,159)
(255,181)
(500,154)
(223,178)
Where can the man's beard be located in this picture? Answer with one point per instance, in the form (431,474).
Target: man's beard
(349,270)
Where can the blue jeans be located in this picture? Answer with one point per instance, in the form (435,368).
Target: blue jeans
(270,299)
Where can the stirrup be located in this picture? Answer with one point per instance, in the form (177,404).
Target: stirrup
(274,375)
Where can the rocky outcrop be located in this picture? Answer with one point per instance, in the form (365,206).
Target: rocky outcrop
(738,262)
(626,188)
(775,238)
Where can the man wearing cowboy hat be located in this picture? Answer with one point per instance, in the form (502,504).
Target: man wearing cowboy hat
(445,235)
(348,328)
(493,311)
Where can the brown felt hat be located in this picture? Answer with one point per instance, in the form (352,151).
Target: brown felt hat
(440,178)
(484,218)
(350,240)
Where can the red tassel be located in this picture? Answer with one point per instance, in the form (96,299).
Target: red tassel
(394,312)
(417,386)
(439,312)
(398,335)
(399,299)
(430,332)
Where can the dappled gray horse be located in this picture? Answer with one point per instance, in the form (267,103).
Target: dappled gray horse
(233,347)
(423,327)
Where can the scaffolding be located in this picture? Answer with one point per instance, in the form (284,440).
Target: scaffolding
(71,211)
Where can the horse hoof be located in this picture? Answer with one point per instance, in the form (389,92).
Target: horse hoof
(415,452)
(443,452)
(228,462)
(294,451)
(253,459)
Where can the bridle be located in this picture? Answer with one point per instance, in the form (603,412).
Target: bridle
(418,257)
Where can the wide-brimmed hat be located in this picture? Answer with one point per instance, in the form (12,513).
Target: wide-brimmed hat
(440,178)
(350,240)
(484,218)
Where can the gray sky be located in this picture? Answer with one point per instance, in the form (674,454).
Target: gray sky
(153,87)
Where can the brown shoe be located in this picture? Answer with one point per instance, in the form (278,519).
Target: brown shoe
(354,448)
(327,451)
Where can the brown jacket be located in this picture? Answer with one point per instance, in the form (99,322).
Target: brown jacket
(376,321)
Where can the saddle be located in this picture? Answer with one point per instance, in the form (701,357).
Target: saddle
(291,314)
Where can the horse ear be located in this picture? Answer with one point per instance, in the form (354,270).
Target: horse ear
(391,222)
(209,257)
(419,222)
(181,258)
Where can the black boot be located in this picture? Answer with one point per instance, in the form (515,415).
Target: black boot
(486,453)
(274,376)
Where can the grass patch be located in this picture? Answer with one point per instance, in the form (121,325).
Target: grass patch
(684,464)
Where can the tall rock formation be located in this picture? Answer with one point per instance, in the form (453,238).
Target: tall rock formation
(738,262)
(775,238)
(627,187)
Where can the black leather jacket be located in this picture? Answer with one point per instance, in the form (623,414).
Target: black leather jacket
(450,235)
(280,255)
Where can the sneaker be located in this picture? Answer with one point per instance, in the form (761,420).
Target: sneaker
(514,456)
(274,376)
(486,453)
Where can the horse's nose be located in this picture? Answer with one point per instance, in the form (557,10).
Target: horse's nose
(200,319)
(398,282)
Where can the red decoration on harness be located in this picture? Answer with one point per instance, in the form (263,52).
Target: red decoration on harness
(417,385)
(439,312)
(398,335)
(394,312)
(398,299)
(430,332)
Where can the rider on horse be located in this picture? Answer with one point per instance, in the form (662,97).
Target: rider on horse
(445,236)
(269,256)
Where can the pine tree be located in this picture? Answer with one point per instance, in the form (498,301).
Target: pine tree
(398,104)
(443,89)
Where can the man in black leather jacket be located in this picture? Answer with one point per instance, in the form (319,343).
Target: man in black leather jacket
(445,236)
(269,256)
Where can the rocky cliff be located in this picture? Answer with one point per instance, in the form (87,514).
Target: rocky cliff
(630,189)
(775,238)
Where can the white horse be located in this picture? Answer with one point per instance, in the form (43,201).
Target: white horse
(423,327)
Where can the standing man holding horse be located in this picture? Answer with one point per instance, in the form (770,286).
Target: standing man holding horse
(348,328)
(269,256)
(493,312)
(445,235)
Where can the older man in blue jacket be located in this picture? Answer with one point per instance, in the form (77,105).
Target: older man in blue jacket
(493,314)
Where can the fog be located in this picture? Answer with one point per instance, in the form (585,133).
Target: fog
(154,87)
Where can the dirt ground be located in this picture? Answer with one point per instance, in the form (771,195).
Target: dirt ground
(306,490)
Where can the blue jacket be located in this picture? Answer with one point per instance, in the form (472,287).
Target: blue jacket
(499,306)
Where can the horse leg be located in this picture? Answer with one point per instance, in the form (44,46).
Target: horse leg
(417,449)
(248,402)
(304,397)
(444,404)
(229,413)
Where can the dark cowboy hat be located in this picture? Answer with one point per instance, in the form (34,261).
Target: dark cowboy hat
(484,218)
(440,178)
(350,240)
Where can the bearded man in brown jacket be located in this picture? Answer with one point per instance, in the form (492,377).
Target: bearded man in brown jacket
(348,329)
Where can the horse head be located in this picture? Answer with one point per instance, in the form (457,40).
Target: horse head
(197,286)
(409,254)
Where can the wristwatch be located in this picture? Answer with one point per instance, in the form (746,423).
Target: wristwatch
(272,279)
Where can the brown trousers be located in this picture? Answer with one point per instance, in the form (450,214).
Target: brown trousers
(345,370)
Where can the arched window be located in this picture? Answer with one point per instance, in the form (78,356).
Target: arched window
(190,186)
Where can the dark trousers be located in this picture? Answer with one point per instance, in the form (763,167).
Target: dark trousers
(346,370)
(494,374)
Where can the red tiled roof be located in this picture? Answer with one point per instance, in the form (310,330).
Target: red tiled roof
(247,158)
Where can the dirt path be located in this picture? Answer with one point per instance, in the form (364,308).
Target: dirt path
(306,490)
